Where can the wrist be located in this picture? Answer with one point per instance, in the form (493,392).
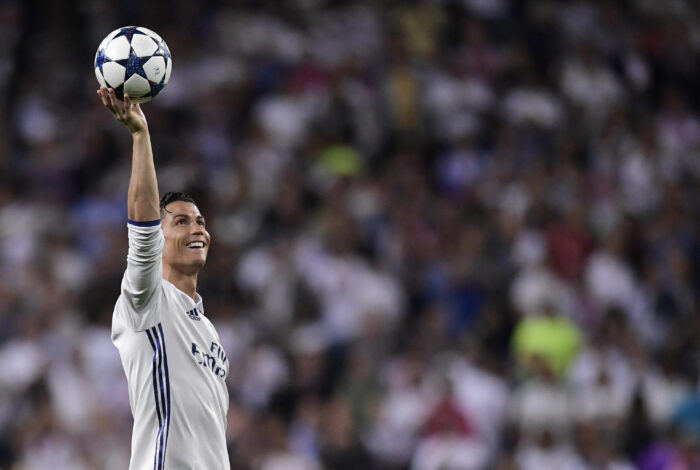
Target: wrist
(138,133)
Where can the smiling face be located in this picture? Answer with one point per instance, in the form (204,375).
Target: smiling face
(186,238)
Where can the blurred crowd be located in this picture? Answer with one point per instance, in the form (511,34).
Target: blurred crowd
(447,234)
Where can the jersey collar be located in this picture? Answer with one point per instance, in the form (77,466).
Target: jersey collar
(197,302)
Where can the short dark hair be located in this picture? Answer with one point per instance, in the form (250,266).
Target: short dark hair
(173,196)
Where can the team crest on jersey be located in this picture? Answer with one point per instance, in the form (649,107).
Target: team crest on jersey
(193,314)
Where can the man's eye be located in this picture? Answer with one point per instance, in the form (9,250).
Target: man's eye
(181,222)
(201,223)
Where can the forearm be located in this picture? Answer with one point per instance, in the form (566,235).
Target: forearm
(142,199)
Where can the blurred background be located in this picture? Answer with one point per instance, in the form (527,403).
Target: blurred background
(447,234)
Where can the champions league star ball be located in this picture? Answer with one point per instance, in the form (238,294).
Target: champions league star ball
(133,60)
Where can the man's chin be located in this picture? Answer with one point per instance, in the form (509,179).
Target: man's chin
(192,265)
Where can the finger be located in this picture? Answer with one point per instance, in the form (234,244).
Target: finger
(127,106)
(109,103)
(109,94)
(114,107)
(103,96)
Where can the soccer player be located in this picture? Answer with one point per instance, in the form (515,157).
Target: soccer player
(171,354)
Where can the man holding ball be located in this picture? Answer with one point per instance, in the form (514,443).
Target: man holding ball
(171,353)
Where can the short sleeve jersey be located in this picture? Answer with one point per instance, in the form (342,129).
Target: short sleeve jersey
(174,364)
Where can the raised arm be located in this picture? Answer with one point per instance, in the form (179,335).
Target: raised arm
(137,307)
(142,199)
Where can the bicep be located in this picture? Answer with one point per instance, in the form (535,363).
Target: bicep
(142,284)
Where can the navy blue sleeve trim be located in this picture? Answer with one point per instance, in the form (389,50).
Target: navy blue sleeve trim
(146,223)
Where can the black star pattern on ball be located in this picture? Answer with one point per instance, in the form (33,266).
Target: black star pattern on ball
(163,51)
(155,88)
(134,65)
(129,32)
(119,92)
(99,60)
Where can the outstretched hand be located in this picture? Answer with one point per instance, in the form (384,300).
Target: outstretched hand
(129,114)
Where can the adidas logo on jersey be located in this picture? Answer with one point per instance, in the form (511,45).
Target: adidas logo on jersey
(193,314)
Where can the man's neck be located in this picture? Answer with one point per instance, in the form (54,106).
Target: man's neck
(187,283)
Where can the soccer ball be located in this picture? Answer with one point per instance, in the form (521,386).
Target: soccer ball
(133,60)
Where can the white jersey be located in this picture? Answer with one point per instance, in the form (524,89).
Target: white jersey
(174,364)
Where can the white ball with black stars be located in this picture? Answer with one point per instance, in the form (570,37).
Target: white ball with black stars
(133,60)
